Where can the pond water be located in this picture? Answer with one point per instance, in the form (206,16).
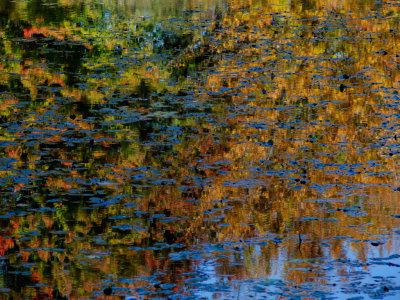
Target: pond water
(214,149)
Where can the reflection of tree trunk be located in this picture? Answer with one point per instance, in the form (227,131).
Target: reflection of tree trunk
(6,10)
(269,153)
(201,51)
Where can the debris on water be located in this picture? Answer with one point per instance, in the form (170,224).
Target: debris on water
(376,243)
(107,291)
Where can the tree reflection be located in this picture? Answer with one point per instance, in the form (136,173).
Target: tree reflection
(255,137)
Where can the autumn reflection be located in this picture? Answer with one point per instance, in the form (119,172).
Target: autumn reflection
(214,149)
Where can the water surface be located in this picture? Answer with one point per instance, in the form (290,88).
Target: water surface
(199,149)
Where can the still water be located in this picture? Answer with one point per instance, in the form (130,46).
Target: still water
(214,149)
